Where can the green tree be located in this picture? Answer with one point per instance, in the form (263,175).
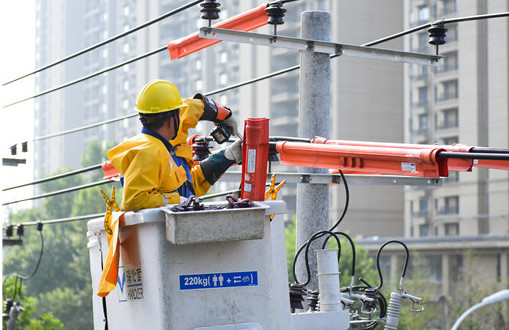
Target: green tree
(62,284)
(14,290)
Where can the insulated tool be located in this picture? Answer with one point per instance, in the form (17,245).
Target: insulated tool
(110,206)
(112,224)
(273,190)
(221,134)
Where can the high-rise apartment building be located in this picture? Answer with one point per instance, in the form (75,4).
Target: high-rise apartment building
(460,229)
(367,96)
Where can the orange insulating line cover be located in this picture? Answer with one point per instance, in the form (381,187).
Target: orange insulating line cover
(246,21)
(454,164)
(362,159)
(109,170)
(255,155)
(493,164)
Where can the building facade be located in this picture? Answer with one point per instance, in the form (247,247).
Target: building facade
(366,95)
(458,230)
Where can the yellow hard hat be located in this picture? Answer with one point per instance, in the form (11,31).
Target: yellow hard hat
(158,96)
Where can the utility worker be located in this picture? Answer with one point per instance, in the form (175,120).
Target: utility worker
(157,165)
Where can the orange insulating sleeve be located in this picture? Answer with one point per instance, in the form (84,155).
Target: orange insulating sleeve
(454,164)
(109,170)
(246,21)
(255,155)
(493,164)
(363,159)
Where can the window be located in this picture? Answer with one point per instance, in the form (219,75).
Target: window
(422,94)
(197,65)
(223,79)
(223,99)
(449,118)
(422,13)
(449,6)
(451,229)
(423,207)
(447,90)
(422,39)
(423,230)
(435,267)
(452,32)
(223,57)
(450,62)
(423,123)
(448,205)
(456,267)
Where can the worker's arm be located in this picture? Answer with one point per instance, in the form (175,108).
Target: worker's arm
(217,113)
(217,163)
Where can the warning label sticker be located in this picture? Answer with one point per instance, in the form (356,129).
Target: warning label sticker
(130,284)
(218,280)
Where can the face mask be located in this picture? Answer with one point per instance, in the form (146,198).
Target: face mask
(176,122)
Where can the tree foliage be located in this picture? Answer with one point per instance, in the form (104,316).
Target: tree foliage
(61,289)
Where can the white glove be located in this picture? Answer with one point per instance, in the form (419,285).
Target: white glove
(234,151)
(231,123)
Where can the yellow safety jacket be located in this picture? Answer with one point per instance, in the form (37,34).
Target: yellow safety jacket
(148,168)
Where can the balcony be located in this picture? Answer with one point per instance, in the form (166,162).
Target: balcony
(421,214)
(447,124)
(444,97)
(448,210)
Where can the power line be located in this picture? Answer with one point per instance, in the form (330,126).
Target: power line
(274,74)
(56,177)
(247,82)
(63,191)
(62,220)
(97,73)
(445,21)
(82,128)
(107,41)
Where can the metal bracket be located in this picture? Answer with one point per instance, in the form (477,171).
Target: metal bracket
(318,46)
(353,179)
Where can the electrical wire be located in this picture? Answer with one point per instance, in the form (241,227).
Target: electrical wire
(63,220)
(378,260)
(283,71)
(351,244)
(307,245)
(97,73)
(107,41)
(63,191)
(21,278)
(56,177)
(82,128)
(289,69)
(322,233)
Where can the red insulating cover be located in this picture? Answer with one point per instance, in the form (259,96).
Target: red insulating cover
(363,159)
(110,171)
(247,21)
(255,155)
(454,164)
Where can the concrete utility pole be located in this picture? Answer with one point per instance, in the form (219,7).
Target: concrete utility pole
(314,120)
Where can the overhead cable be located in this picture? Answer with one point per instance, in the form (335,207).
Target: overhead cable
(107,41)
(63,191)
(56,177)
(82,128)
(427,25)
(257,79)
(63,220)
(97,73)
